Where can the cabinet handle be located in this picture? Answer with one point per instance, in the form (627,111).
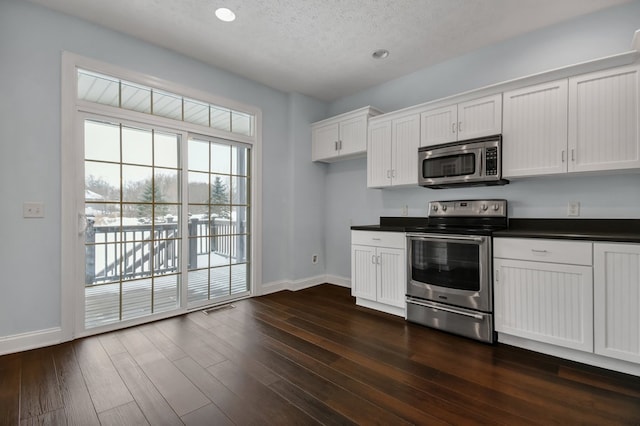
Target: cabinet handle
(379,260)
(393,173)
(388,174)
(573,155)
(497,275)
(453,127)
(340,145)
(540,251)
(563,153)
(459,126)
(376,239)
(335,146)
(373,259)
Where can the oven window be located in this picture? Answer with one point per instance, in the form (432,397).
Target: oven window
(450,165)
(446,264)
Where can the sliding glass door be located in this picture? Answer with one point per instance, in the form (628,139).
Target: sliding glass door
(218,220)
(133,221)
(166,221)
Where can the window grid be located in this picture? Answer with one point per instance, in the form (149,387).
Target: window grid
(227,237)
(107,90)
(110,242)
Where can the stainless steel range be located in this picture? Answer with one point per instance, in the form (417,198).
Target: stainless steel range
(450,267)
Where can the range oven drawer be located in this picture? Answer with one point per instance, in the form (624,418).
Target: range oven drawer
(465,322)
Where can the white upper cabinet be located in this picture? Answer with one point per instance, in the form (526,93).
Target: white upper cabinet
(439,126)
(379,155)
(392,157)
(467,120)
(325,141)
(480,117)
(603,120)
(534,136)
(341,137)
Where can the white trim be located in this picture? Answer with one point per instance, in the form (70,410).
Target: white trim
(31,340)
(68,209)
(571,354)
(336,280)
(296,285)
(276,286)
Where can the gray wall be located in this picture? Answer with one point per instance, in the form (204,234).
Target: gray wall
(589,37)
(31,41)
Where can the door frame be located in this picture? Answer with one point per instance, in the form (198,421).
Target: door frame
(73,112)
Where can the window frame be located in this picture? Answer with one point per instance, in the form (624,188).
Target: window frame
(73,111)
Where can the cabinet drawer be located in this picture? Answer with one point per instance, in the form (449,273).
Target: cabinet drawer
(541,250)
(379,239)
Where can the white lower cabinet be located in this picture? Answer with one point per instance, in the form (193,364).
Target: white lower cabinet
(378,270)
(617,300)
(538,296)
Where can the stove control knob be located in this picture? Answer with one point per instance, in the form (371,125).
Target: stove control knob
(484,207)
(444,208)
(496,207)
(434,208)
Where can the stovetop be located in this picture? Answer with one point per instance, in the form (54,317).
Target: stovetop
(471,217)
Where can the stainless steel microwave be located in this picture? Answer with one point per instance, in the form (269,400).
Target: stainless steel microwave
(473,162)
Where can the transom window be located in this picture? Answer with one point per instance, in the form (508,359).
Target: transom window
(106,90)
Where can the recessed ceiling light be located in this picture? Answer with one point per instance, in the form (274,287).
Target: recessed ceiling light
(380,54)
(225,14)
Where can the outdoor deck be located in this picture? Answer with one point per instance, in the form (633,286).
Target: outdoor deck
(133,271)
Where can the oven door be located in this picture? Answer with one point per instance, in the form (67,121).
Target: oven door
(451,165)
(451,269)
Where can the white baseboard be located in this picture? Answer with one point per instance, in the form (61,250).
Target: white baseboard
(275,286)
(571,354)
(336,280)
(31,340)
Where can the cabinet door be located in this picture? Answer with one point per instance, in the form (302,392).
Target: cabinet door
(616,272)
(547,302)
(404,150)
(392,276)
(480,117)
(325,141)
(534,136)
(379,155)
(353,136)
(603,120)
(439,126)
(363,272)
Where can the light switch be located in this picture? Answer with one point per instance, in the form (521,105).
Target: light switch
(33,210)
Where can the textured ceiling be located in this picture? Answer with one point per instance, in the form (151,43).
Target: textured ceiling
(322,48)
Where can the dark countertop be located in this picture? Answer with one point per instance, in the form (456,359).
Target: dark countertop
(618,230)
(615,230)
(394,224)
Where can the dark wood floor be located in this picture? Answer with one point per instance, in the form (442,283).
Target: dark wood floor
(303,358)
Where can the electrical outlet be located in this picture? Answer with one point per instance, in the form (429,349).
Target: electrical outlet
(405,210)
(573,208)
(33,210)
(314,258)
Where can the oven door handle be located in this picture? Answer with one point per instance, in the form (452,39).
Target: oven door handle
(441,308)
(441,237)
